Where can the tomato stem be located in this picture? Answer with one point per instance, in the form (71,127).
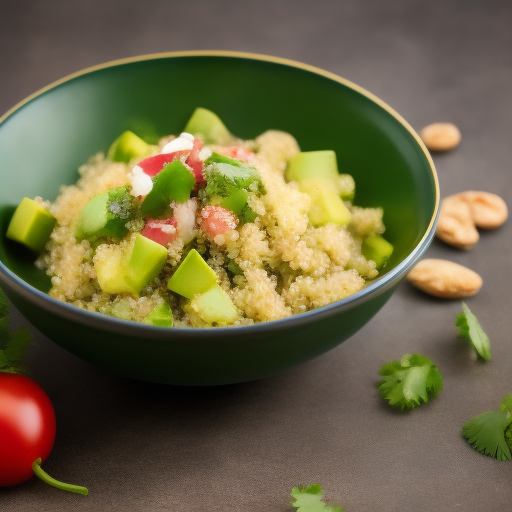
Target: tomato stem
(45,477)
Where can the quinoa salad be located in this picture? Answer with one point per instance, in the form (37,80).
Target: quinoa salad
(205,229)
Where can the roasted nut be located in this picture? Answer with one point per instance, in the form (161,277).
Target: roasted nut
(455,225)
(488,211)
(445,279)
(440,136)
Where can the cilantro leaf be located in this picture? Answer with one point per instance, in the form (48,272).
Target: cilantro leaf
(486,434)
(470,328)
(224,179)
(409,382)
(12,344)
(311,499)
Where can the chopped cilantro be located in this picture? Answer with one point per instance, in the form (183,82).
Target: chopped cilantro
(231,181)
(470,328)
(311,499)
(12,344)
(222,179)
(409,382)
(489,433)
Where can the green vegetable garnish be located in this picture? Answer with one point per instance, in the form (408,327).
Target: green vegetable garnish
(173,183)
(470,328)
(489,433)
(311,499)
(409,382)
(229,182)
(12,344)
(222,179)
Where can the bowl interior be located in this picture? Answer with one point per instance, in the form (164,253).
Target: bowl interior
(43,142)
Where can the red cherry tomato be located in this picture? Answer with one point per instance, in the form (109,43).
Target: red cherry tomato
(27,427)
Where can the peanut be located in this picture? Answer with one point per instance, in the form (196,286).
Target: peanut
(445,279)
(440,136)
(488,211)
(455,225)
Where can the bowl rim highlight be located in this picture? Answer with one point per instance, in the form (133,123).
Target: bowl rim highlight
(113,324)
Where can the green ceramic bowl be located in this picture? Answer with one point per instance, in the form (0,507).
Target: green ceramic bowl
(48,136)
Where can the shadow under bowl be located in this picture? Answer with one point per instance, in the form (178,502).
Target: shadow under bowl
(44,140)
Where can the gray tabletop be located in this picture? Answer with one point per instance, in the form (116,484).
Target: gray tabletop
(146,447)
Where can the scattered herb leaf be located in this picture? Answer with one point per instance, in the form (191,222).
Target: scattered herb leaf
(409,382)
(12,344)
(471,329)
(311,499)
(486,434)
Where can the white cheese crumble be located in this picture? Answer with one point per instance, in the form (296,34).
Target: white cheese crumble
(204,154)
(185,142)
(142,184)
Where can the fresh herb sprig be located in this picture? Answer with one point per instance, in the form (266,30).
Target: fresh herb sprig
(470,328)
(311,499)
(490,433)
(409,382)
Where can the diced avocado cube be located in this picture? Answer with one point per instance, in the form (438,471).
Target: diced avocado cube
(173,183)
(146,261)
(131,271)
(346,187)
(326,204)
(31,225)
(161,316)
(207,126)
(193,276)
(111,273)
(106,215)
(128,146)
(376,248)
(215,306)
(312,165)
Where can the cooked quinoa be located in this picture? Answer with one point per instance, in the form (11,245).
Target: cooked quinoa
(283,265)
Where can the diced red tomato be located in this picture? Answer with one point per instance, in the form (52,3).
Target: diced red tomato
(154,164)
(236,152)
(162,232)
(195,164)
(216,220)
